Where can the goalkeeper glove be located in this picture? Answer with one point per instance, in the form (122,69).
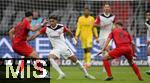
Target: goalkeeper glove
(74,41)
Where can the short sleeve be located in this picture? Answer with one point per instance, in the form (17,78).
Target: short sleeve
(66,29)
(43,30)
(97,20)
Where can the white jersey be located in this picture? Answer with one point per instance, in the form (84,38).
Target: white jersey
(106,25)
(147,23)
(56,37)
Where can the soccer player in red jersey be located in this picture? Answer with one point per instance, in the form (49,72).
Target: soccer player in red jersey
(123,43)
(19,34)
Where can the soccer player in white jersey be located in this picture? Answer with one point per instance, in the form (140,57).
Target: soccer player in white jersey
(55,33)
(105,22)
(147,23)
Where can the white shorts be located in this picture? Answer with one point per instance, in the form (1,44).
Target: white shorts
(103,41)
(66,53)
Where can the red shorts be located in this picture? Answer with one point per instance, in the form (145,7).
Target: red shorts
(123,50)
(22,48)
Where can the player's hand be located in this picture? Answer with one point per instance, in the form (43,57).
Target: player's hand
(76,38)
(44,22)
(28,38)
(97,40)
(74,41)
(100,52)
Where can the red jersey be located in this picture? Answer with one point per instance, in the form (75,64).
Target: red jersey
(21,31)
(120,37)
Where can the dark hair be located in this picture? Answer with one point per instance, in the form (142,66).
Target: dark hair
(86,7)
(53,17)
(107,3)
(119,23)
(28,13)
(147,11)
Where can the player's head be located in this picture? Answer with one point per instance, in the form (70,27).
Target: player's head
(119,24)
(53,20)
(29,15)
(86,11)
(106,8)
(147,14)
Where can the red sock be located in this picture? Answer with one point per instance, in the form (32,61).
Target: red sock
(107,67)
(136,70)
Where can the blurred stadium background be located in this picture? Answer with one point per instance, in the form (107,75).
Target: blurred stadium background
(131,12)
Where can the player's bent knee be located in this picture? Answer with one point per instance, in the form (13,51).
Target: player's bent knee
(107,57)
(34,54)
(52,56)
(73,58)
(130,62)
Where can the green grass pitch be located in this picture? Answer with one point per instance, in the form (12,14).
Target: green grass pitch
(120,74)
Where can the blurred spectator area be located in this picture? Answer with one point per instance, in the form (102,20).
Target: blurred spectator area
(130,12)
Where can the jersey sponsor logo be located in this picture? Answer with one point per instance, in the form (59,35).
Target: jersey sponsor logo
(106,25)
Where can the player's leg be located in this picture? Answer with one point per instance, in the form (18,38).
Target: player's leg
(87,45)
(134,66)
(34,54)
(19,49)
(102,42)
(104,53)
(115,53)
(87,57)
(68,54)
(54,55)
(106,64)
(74,59)
(148,59)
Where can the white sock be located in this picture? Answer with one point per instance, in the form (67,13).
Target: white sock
(83,69)
(148,60)
(105,52)
(56,67)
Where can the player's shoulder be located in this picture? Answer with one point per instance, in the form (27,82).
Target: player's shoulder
(60,25)
(25,20)
(91,17)
(81,17)
(103,15)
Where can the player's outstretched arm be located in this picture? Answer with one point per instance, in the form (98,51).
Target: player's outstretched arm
(11,33)
(95,34)
(106,44)
(33,36)
(71,34)
(77,33)
(97,22)
(37,27)
(42,31)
